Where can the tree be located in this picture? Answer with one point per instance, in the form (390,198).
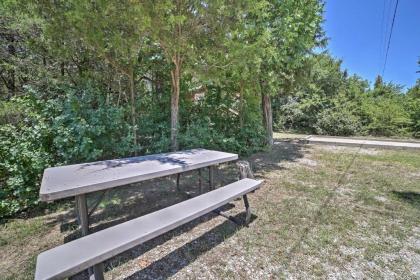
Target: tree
(413,95)
(378,82)
(176,26)
(114,31)
(294,30)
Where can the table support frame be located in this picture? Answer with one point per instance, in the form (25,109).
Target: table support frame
(97,272)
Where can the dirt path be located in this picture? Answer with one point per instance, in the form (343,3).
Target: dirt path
(342,141)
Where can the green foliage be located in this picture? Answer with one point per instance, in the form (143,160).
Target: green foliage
(386,116)
(10,112)
(337,121)
(75,126)
(414,110)
(24,154)
(86,128)
(65,125)
(213,123)
(413,106)
(202,133)
(329,102)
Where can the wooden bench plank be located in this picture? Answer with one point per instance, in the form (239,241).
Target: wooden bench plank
(78,255)
(71,180)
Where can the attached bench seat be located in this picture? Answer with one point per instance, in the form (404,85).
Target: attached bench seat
(78,255)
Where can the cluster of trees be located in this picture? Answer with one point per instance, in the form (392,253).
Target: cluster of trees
(88,80)
(326,100)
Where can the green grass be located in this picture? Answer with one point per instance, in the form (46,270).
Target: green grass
(16,232)
(404,158)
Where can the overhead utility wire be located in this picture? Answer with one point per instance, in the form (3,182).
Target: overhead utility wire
(390,36)
(388,17)
(383,30)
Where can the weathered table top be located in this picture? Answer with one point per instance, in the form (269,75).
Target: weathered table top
(71,180)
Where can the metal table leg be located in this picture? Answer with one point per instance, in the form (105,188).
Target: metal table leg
(211,182)
(177,182)
(98,272)
(200,183)
(248,210)
(82,210)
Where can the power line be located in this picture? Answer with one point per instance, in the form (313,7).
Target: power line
(382,29)
(390,36)
(387,25)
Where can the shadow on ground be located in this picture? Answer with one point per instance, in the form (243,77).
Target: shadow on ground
(280,152)
(172,263)
(412,198)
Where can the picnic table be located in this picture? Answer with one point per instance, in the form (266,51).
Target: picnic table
(92,249)
(80,179)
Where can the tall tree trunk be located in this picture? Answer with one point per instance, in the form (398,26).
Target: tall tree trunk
(12,83)
(176,76)
(133,109)
(62,69)
(241,105)
(267,116)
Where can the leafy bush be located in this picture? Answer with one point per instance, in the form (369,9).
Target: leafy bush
(289,115)
(414,110)
(86,128)
(209,123)
(203,133)
(153,124)
(386,116)
(251,138)
(339,122)
(24,154)
(77,125)
(200,134)
(10,112)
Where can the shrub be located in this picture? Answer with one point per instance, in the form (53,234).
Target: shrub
(339,122)
(414,109)
(77,125)
(86,128)
(386,117)
(24,154)
(289,115)
(202,133)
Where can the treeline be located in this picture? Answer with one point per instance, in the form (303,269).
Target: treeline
(90,80)
(326,100)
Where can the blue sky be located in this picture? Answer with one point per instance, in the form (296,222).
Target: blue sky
(356,35)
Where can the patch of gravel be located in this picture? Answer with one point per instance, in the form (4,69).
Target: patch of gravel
(304,161)
(415,174)
(350,251)
(307,161)
(345,190)
(351,270)
(411,252)
(381,198)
